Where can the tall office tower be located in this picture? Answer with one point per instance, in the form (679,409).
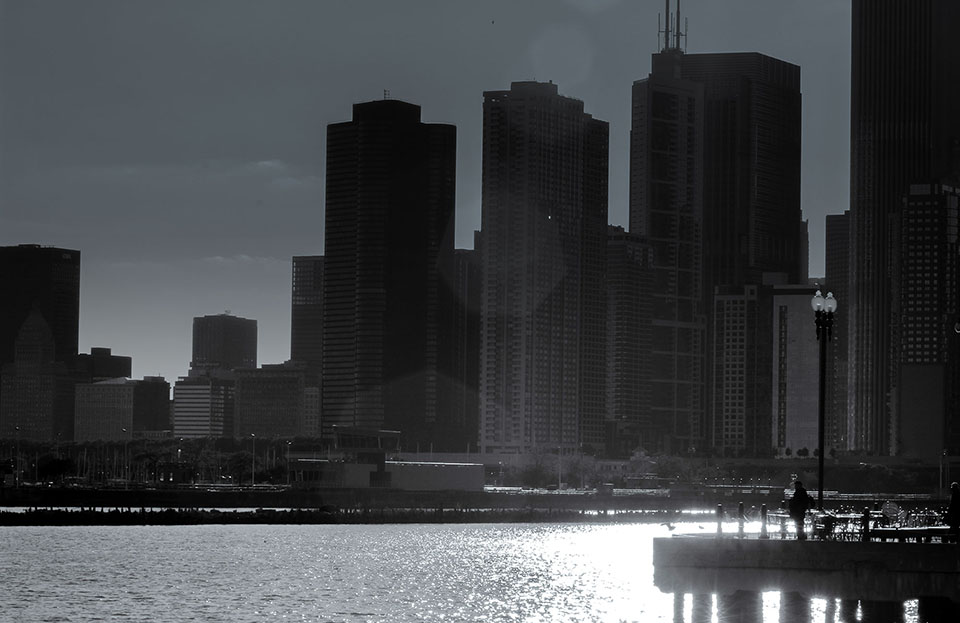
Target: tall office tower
(121,408)
(36,391)
(544,212)
(751,167)
(45,279)
(837,280)
(222,343)
(903,130)
(926,322)
(203,407)
(389,231)
(666,209)
(629,335)
(306,311)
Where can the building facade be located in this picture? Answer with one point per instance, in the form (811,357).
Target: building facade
(222,343)
(306,311)
(121,409)
(271,401)
(543,255)
(926,322)
(389,221)
(666,209)
(203,407)
(903,130)
(629,339)
(837,280)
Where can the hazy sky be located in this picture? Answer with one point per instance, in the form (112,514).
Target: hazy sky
(179,145)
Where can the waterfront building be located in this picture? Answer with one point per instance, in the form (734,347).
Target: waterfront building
(543,251)
(203,406)
(629,338)
(837,280)
(222,343)
(925,322)
(306,311)
(120,409)
(389,231)
(903,130)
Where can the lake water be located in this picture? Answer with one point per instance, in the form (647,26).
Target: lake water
(340,573)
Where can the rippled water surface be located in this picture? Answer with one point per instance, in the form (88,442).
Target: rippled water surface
(519,572)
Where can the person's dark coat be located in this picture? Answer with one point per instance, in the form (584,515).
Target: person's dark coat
(800,503)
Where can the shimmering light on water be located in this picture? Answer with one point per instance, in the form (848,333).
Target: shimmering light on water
(526,573)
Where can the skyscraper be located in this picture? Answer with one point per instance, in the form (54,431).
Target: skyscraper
(222,343)
(389,231)
(544,212)
(629,335)
(666,209)
(837,277)
(45,279)
(903,129)
(751,167)
(306,312)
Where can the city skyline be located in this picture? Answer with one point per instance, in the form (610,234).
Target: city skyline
(183,205)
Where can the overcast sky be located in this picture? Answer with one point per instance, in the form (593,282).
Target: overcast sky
(179,145)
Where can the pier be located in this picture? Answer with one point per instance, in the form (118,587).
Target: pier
(877,571)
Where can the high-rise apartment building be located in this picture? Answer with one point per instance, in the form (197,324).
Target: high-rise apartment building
(666,209)
(465,401)
(629,337)
(272,401)
(222,343)
(903,130)
(306,311)
(543,251)
(390,200)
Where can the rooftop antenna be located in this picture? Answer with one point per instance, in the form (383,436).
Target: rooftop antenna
(676,36)
(386,94)
(666,25)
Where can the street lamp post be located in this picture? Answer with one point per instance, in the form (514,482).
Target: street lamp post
(823,309)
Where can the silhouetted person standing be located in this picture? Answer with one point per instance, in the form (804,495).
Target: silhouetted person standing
(799,504)
(953,512)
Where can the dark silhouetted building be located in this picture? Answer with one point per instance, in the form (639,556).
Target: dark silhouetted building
(837,280)
(629,335)
(666,209)
(272,401)
(465,397)
(119,409)
(306,311)
(45,279)
(389,228)
(222,343)
(751,167)
(904,129)
(543,256)
(100,365)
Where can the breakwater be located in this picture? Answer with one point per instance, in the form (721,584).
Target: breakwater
(326,515)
